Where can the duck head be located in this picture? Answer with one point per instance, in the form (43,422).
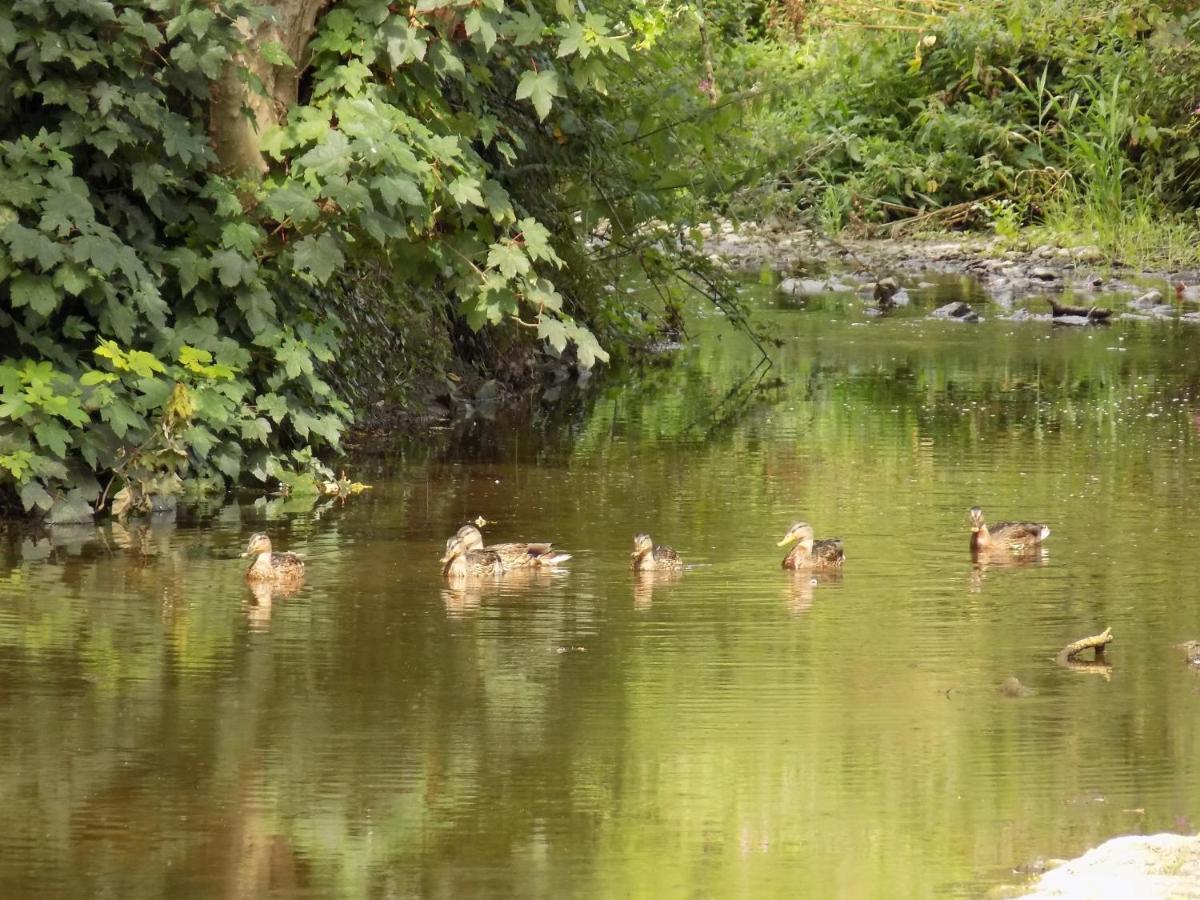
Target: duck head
(259,544)
(801,532)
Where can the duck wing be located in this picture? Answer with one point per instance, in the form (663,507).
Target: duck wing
(520,555)
(287,560)
(829,552)
(486,561)
(1018,532)
(665,556)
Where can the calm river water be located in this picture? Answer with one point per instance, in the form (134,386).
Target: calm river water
(736,731)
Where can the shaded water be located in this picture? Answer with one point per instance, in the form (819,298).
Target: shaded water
(738,731)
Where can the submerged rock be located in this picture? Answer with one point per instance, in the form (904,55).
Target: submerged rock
(803,286)
(958,311)
(1012,687)
(1147,301)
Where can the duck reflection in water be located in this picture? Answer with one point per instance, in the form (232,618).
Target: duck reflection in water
(646,580)
(464,594)
(802,586)
(984,560)
(260,604)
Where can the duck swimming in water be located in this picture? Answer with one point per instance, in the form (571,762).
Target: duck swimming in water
(648,558)
(269,566)
(460,561)
(1019,537)
(809,553)
(514,555)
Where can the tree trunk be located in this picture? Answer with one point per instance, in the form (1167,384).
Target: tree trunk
(239,114)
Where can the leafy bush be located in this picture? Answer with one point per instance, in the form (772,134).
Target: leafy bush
(1027,101)
(167,316)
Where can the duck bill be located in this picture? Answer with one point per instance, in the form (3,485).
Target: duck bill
(787,539)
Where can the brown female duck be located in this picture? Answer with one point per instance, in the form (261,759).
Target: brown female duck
(460,561)
(648,558)
(1019,537)
(809,553)
(269,566)
(514,555)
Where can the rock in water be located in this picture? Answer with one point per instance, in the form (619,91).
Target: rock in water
(1012,687)
(958,311)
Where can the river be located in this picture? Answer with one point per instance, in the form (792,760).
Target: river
(737,730)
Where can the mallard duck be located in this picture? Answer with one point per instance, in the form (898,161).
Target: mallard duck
(809,553)
(459,560)
(514,555)
(1016,536)
(649,558)
(269,566)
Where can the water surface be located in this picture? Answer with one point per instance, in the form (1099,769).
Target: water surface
(736,731)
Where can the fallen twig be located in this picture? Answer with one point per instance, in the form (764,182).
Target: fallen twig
(1096,642)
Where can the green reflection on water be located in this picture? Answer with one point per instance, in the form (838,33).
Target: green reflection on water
(734,731)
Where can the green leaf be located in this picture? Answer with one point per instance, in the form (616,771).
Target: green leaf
(27,243)
(34,495)
(330,157)
(242,237)
(497,201)
(554,331)
(537,240)
(188,263)
(508,258)
(393,188)
(233,268)
(404,43)
(291,202)
(465,189)
(320,256)
(95,376)
(53,437)
(121,418)
(65,210)
(539,88)
(36,291)
(571,39)
(525,28)
(71,279)
(586,346)
(542,295)
(273,52)
(102,252)
(475,22)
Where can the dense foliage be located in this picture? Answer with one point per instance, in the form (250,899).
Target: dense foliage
(165,324)
(881,112)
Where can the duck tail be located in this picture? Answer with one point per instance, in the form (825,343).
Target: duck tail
(1045,533)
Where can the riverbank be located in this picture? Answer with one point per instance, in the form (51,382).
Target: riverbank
(1007,270)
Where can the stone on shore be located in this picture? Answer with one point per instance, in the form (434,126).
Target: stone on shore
(1149,867)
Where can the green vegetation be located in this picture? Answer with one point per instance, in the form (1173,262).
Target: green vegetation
(224,223)
(229,228)
(1069,116)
